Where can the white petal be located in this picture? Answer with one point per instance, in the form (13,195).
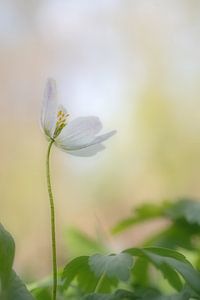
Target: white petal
(103,137)
(49,108)
(88,151)
(79,132)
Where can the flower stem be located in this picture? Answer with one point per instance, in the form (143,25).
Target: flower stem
(53,227)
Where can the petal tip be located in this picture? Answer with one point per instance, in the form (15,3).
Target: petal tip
(113,132)
(50,86)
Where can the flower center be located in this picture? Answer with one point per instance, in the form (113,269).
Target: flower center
(62,117)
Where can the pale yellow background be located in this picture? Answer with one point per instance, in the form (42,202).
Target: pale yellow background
(135,64)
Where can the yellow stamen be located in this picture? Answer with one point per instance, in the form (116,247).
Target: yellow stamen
(62,117)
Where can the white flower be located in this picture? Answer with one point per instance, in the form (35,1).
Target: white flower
(77,137)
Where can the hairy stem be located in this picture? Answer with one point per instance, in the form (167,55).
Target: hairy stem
(53,227)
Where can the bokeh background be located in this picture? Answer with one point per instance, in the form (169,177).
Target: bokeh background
(135,64)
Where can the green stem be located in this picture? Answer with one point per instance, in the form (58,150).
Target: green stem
(99,283)
(53,227)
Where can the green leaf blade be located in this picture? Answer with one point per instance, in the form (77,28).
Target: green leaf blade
(118,265)
(7,251)
(161,257)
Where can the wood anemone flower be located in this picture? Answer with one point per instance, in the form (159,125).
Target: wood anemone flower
(78,137)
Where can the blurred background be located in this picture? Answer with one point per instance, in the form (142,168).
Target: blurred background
(136,65)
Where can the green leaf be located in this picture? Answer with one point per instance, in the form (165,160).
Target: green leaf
(142,213)
(88,281)
(140,272)
(177,235)
(42,290)
(11,287)
(148,294)
(80,270)
(99,297)
(114,265)
(16,289)
(7,251)
(42,294)
(153,294)
(185,209)
(171,275)
(72,269)
(182,296)
(118,295)
(162,257)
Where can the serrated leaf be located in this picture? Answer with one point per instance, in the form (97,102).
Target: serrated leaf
(171,275)
(80,270)
(140,274)
(88,281)
(115,265)
(161,257)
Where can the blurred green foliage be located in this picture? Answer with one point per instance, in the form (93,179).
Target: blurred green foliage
(157,270)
